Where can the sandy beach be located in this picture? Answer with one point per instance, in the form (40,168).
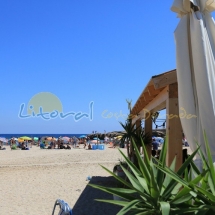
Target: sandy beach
(32,180)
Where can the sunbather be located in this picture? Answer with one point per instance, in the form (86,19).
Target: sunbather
(13,146)
(42,145)
(23,147)
(85,143)
(2,148)
(52,145)
(68,147)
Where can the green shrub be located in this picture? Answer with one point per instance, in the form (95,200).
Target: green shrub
(153,188)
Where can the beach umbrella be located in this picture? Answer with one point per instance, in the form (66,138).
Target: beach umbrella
(82,136)
(25,138)
(159,139)
(51,138)
(43,138)
(195,54)
(36,138)
(119,137)
(96,138)
(20,140)
(65,139)
(14,138)
(3,139)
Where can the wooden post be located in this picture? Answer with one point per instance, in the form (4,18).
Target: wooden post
(148,129)
(173,127)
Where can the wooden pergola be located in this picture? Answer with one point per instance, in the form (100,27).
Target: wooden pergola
(160,93)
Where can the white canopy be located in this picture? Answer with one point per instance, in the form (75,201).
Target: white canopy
(195,51)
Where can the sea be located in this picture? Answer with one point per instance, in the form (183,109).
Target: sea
(9,136)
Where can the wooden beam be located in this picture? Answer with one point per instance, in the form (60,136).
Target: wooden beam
(143,101)
(159,100)
(134,110)
(173,128)
(174,133)
(138,110)
(148,130)
(137,107)
(159,82)
(152,91)
(142,113)
(173,90)
(138,125)
(159,107)
(140,104)
(165,79)
(147,97)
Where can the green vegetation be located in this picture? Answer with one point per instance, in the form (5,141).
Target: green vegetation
(153,188)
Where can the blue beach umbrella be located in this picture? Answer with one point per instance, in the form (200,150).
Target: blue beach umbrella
(82,136)
(96,138)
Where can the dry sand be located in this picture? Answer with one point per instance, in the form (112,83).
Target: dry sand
(32,180)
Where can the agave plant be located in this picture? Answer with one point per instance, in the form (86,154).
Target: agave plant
(154,188)
(130,132)
(202,188)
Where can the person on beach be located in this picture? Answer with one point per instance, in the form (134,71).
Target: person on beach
(85,143)
(54,142)
(2,148)
(68,146)
(51,145)
(12,141)
(78,142)
(26,143)
(74,142)
(58,143)
(39,141)
(23,147)
(13,144)
(155,144)
(46,142)
(42,145)
(106,139)
(62,146)
(70,141)
(19,145)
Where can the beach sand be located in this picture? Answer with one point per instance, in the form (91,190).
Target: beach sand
(32,180)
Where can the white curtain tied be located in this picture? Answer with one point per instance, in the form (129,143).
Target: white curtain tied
(195,51)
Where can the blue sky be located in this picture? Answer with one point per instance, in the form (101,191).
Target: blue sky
(81,51)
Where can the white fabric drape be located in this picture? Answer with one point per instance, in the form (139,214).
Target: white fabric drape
(195,51)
